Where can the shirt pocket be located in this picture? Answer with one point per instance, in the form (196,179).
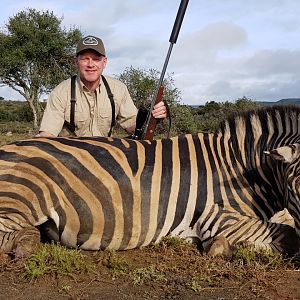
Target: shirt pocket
(80,117)
(104,123)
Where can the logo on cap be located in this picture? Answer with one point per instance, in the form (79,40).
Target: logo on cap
(90,41)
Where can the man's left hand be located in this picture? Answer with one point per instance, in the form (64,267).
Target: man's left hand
(159,110)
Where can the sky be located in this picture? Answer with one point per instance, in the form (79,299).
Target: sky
(226,49)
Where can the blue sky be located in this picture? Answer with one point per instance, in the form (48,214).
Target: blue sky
(226,49)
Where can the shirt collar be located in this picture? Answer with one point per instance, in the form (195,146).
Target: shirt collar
(83,88)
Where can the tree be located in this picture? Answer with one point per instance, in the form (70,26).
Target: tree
(184,120)
(209,117)
(35,55)
(142,85)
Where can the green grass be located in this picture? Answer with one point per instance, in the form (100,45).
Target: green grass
(147,274)
(170,265)
(15,127)
(113,261)
(14,131)
(119,267)
(259,257)
(55,259)
(4,140)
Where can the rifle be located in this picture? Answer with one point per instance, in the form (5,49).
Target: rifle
(150,125)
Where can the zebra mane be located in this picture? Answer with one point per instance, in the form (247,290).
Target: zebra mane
(285,113)
(270,126)
(261,112)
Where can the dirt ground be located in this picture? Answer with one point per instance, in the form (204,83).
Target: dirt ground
(158,272)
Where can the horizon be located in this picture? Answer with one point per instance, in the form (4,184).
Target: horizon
(192,105)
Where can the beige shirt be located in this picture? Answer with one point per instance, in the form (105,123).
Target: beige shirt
(92,109)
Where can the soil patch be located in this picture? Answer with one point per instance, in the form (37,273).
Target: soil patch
(177,271)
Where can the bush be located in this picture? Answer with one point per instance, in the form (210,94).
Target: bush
(183,120)
(24,114)
(209,117)
(11,111)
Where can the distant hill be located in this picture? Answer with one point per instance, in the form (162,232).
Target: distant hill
(287,101)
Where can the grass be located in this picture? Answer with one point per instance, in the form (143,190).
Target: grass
(114,262)
(119,266)
(7,139)
(196,285)
(147,274)
(264,258)
(15,127)
(175,260)
(175,243)
(170,266)
(56,260)
(14,131)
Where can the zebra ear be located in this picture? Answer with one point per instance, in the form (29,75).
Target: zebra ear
(286,154)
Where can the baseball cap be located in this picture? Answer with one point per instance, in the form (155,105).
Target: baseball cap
(91,42)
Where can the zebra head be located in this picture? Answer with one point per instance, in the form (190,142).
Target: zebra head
(289,160)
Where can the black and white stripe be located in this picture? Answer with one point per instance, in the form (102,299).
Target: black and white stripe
(117,193)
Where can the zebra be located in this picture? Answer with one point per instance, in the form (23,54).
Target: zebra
(96,193)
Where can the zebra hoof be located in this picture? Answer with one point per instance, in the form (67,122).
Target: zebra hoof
(219,247)
(27,243)
(24,251)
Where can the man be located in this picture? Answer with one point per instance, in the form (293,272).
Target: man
(93,108)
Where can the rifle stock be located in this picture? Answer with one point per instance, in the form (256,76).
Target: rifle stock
(149,133)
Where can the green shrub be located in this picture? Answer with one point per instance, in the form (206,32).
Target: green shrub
(209,116)
(11,111)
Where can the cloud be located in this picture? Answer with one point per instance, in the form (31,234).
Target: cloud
(217,36)
(203,50)
(267,75)
(267,62)
(10,94)
(225,49)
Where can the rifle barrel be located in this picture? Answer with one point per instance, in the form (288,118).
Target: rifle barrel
(172,40)
(178,21)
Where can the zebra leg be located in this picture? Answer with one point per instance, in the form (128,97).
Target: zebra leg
(21,243)
(222,233)
(277,237)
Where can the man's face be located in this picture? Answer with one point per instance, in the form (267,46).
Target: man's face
(90,65)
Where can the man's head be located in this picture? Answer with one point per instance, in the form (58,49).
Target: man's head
(90,43)
(90,60)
